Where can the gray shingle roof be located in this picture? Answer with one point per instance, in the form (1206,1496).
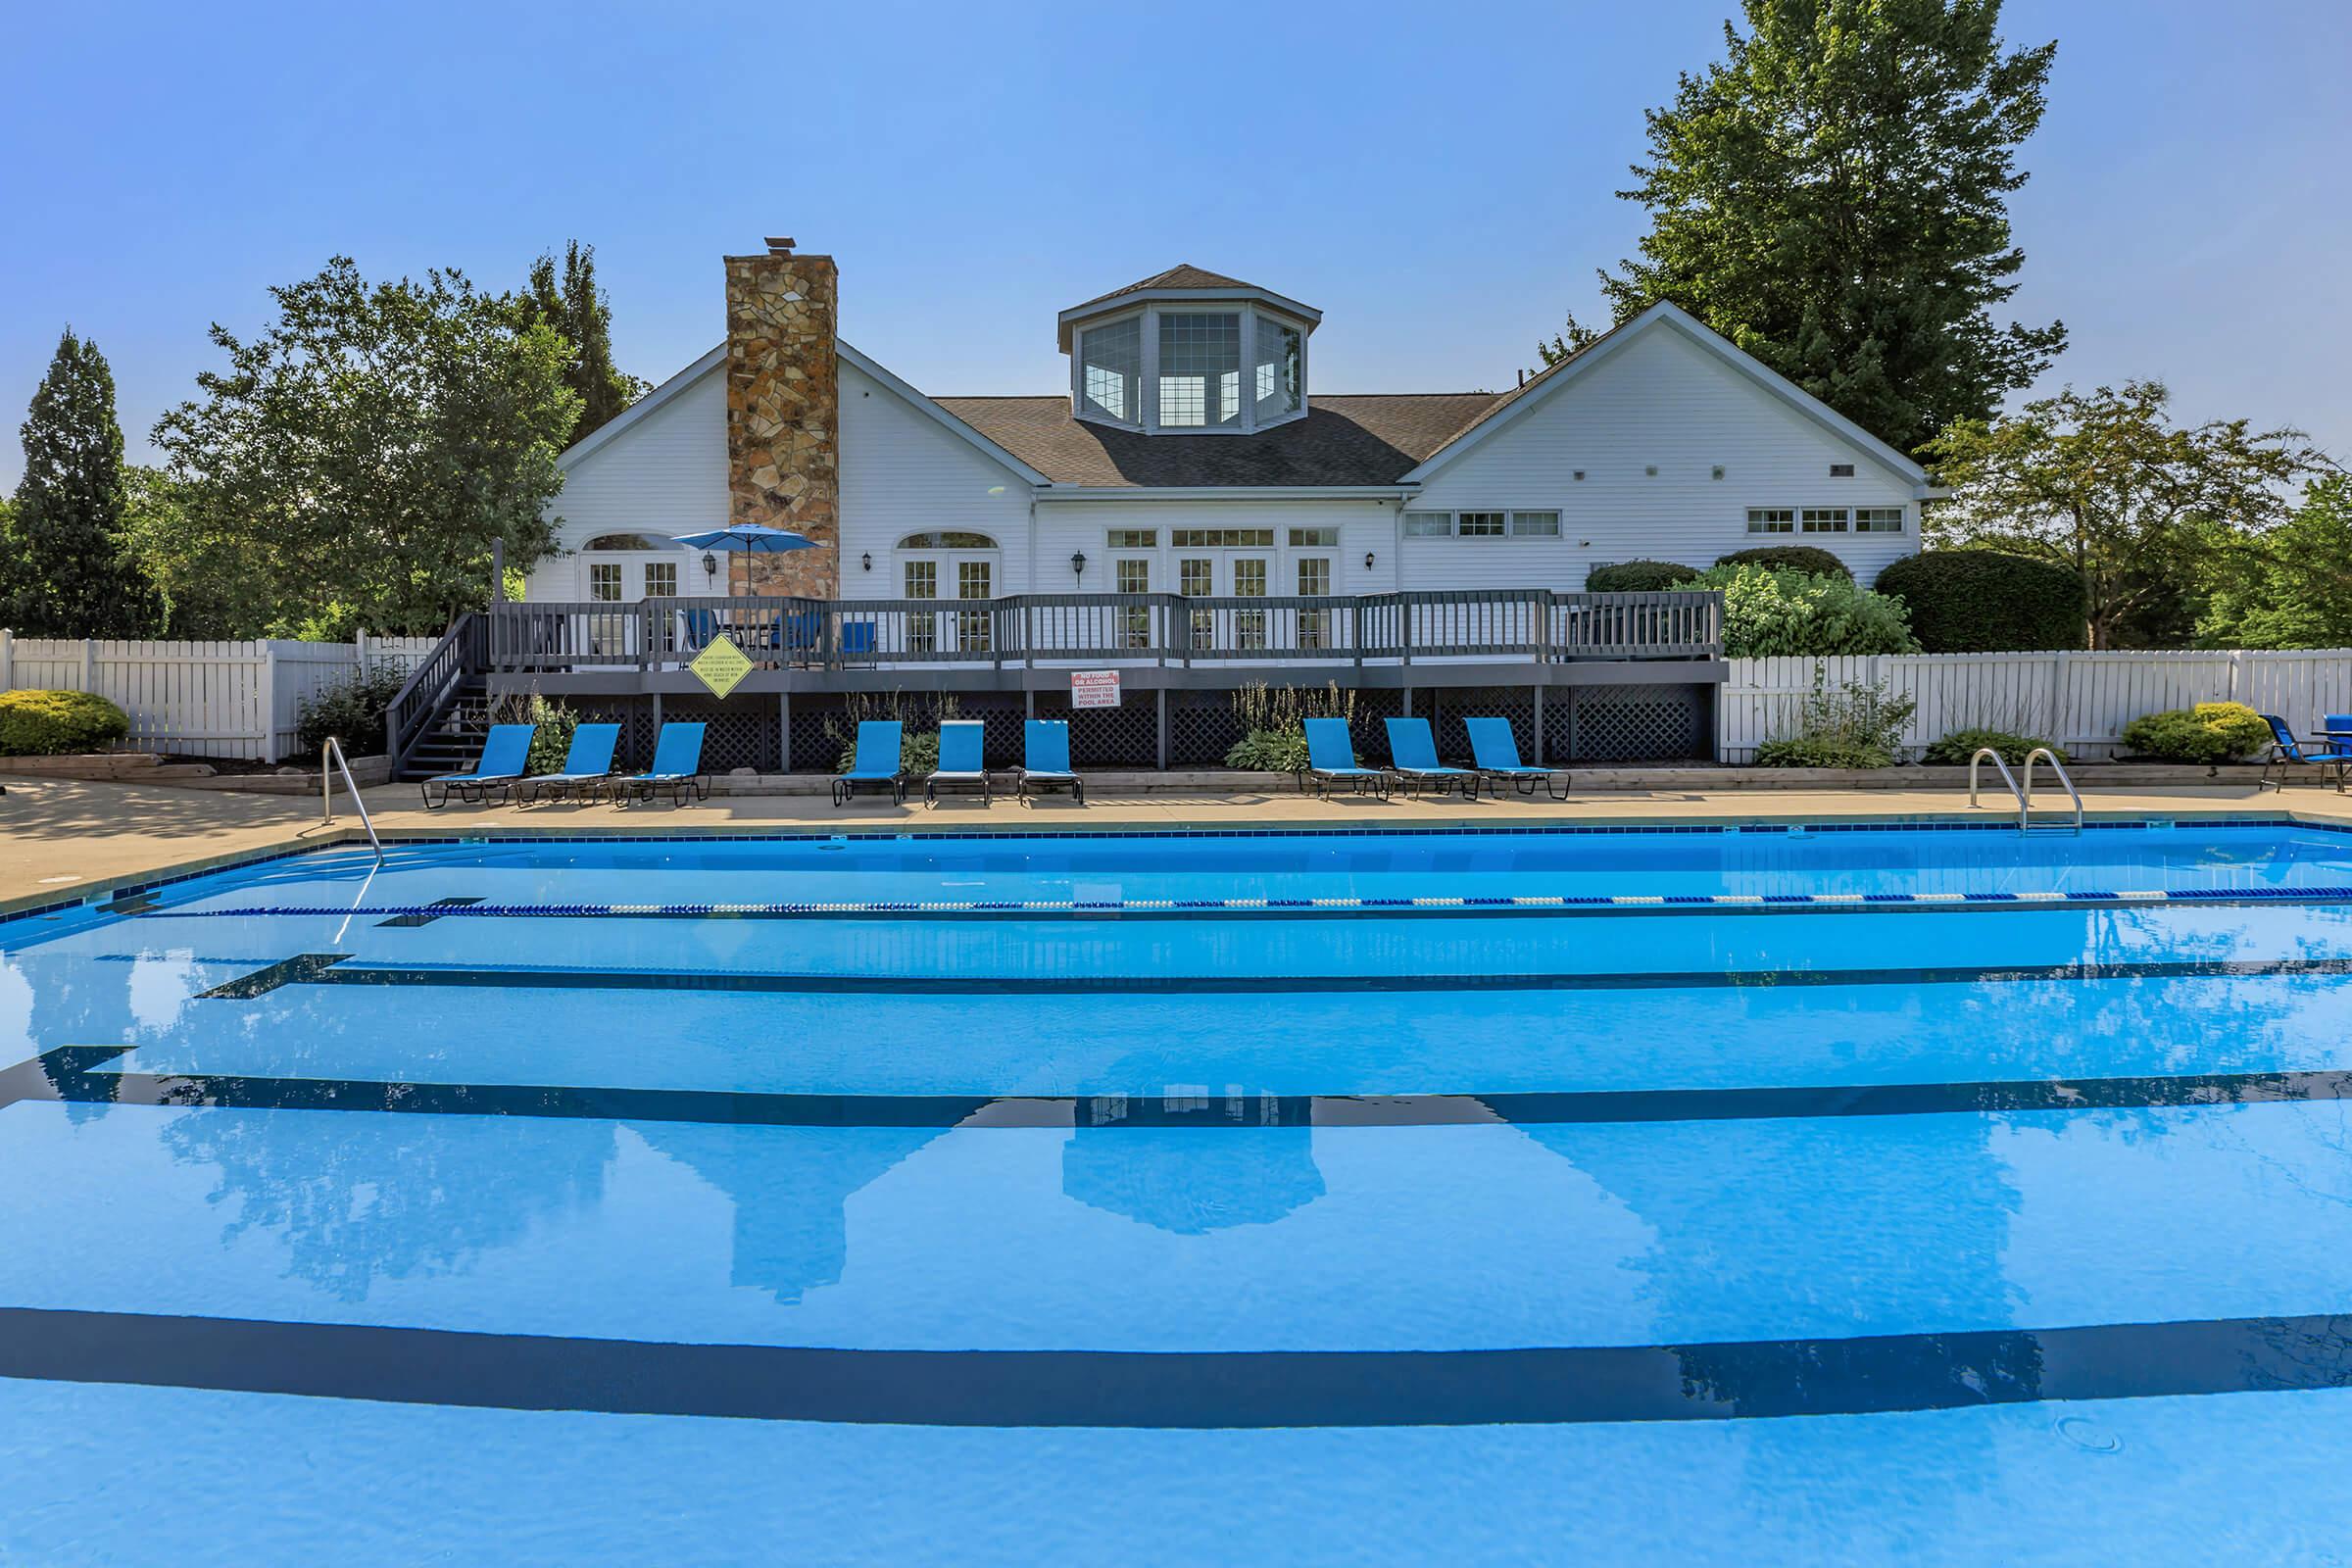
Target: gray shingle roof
(1360,440)
(1184,274)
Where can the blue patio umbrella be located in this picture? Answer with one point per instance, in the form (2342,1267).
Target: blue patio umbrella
(755,538)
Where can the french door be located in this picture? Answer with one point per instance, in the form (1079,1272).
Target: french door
(1226,575)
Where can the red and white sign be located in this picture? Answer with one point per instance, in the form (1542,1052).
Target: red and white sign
(1093,688)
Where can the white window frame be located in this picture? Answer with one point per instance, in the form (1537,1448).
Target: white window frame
(1878,524)
(1148,393)
(1551,513)
(1759,523)
(1832,519)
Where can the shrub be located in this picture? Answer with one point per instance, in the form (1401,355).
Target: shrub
(1853,726)
(1811,559)
(2209,732)
(1274,725)
(551,741)
(919,716)
(1787,613)
(350,709)
(1985,601)
(1955,749)
(58,723)
(1637,577)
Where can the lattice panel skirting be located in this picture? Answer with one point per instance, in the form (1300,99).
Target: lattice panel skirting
(1445,709)
(1593,724)
(1125,736)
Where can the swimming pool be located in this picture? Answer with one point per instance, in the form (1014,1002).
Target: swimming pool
(1692,1194)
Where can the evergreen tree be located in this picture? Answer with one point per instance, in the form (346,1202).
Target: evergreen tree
(1832,198)
(578,310)
(69,571)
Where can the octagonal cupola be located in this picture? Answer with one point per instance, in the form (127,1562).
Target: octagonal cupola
(1188,351)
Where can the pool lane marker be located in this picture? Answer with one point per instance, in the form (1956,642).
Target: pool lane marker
(1734,1380)
(85,1074)
(336,969)
(429,913)
(304,968)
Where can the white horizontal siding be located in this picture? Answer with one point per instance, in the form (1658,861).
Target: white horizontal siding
(903,472)
(1066,527)
(665,474)
(1660,400)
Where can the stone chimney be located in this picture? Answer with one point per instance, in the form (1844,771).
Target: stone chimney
(784,418)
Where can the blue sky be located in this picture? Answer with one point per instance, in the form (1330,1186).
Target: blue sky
(1437,179)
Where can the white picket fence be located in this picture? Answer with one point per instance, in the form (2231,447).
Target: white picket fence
(199,699)
(2080,701)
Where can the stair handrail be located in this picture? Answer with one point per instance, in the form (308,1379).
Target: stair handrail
(2007,777)
(333,753)
(428,685)
(2059,768)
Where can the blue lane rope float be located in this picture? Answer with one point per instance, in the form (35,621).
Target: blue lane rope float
(1629,902)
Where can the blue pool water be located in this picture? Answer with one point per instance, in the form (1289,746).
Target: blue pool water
(641,1210)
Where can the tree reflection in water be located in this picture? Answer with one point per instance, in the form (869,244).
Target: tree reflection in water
(355,1196)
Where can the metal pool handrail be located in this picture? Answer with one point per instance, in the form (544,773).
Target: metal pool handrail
(2059,768)
(2007,777)
(332,752)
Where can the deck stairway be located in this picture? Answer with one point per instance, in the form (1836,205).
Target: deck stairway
(452,739)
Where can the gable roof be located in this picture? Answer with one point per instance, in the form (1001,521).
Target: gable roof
(1343,442)
(644,406)
(1518,402)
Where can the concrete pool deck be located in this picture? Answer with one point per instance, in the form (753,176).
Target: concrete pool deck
(64,841)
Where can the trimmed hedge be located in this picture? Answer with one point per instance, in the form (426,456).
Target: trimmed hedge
(1770,613)
(2210,732)
(1985,601)
(58,723)
(1637,577)
(1811,559)
(1955,749)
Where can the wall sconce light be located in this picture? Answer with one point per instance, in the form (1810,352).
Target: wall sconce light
(1078,563)
(710,564)
(865,562)
(1367,561)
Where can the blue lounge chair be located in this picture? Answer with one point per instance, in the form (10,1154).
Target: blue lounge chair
(1495,752)
(2337,728)
(702,629)
(586,766)
(1046,759)
(876,760)
(960,749)
(1331,760)
(2287,751)
(505,752)
(1413,755)
(857,641)
(677,768)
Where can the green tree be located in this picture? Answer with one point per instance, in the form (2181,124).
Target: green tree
(575,307)
(2292,586)
(68,571)
(355,464)
(2106,484)
(1832,197)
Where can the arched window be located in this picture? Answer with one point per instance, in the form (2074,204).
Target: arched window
(948,540)
(630,541)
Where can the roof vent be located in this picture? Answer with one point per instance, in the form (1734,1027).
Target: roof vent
(1842,471)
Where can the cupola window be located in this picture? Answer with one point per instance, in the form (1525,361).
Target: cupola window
(1189,352)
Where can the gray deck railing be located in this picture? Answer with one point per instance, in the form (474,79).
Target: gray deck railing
(1516,625)
(462,651)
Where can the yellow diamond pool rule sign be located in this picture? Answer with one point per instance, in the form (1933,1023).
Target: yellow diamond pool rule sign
(720,666)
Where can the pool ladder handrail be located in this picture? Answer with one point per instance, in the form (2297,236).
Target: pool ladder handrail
(2024,795)
(333,753)
(2059,768)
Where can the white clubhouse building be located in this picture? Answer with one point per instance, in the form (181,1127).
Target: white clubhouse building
(1193,453)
